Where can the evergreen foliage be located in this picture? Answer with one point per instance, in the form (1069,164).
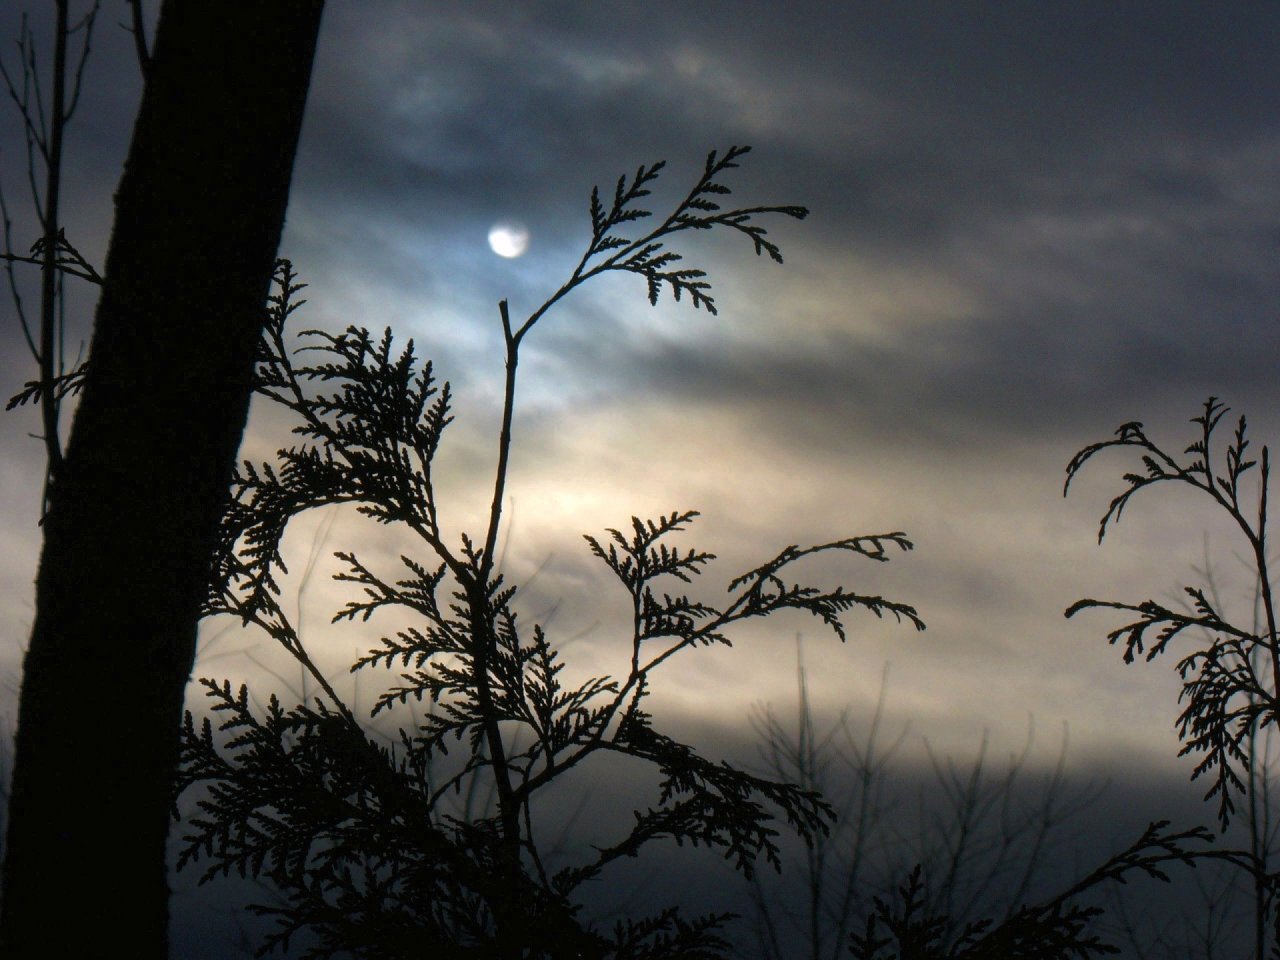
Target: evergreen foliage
(1231,676)
(365,842)
(1059,928)
(360,838)
(1230,684)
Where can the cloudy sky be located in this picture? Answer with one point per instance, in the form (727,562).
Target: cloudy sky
(1030,223)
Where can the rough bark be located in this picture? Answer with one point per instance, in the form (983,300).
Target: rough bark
(133,514)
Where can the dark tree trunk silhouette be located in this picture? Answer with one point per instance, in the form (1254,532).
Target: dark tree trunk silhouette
(134,510)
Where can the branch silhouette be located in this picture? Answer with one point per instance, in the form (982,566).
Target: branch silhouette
(361,838)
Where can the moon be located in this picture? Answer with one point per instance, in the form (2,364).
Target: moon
(508,238)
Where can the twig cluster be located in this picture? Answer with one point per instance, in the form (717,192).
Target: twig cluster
(1230,684)
(359,836)
(1231,676)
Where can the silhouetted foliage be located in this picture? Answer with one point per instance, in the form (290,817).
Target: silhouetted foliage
(1228,700)
(1231,678)
(976,833)
(361,838)
(1227,693)
(902,928)
(44,123)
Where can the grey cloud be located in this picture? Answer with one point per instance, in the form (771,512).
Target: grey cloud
(1028,224)
(1095,179)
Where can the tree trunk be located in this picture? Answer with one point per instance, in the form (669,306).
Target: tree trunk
(133,514)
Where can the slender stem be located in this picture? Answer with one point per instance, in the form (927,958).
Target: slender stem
(86,23)
(636,629)
(808,775)
(64,266)
(139,32)
(1255,847)
(504,444)
(1260,552)
(49,268)
(485,638)
(284,633)
(295,647)
(9,258)
(1273,646)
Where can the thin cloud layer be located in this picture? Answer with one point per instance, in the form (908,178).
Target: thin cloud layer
(1028,226)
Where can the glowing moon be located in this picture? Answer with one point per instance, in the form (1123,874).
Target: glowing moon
(508,238)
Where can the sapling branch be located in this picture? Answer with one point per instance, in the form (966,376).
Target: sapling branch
(266,614)
(1259,543)
(512,348)
(1227,700)
(44,127)
(371,442)
(647,255)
